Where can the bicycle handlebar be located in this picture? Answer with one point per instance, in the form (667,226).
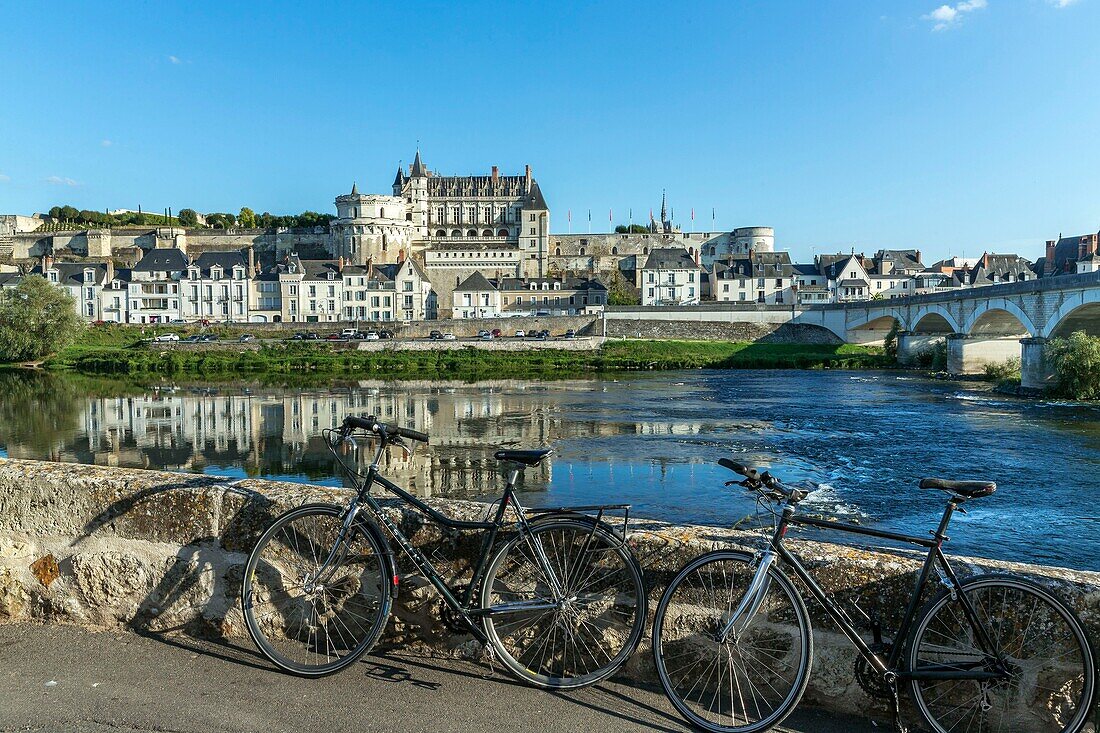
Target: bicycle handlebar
(370,423)
(765,483)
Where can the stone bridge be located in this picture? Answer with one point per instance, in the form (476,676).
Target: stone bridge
(980,325)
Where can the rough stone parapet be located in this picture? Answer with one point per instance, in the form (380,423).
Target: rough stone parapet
(163,552)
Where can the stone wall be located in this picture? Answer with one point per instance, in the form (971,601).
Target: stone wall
(769,333)
(163,552)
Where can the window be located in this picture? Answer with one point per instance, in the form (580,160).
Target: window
(725,287)
(407,286)
(532,217)
(779,282)
(532,232)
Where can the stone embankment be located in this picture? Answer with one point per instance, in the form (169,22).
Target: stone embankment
(163,552)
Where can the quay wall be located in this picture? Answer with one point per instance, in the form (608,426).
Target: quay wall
(163,553)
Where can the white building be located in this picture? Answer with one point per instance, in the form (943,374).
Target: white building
(759,277)
(153,292)
(670,277)
(476,297)
(217,288)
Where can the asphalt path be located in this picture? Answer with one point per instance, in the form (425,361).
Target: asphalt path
(61,678)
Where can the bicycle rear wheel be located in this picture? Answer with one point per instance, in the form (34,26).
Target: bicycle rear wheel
(309,625)
(580,634)
(754,678)
(1037,641)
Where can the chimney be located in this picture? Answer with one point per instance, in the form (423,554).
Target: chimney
(1048,266)
(340,264)
(110,272)
(918,256)
(252,262)
(496,175)
(47,263)
(1083,247)
(527,174)
(401,256)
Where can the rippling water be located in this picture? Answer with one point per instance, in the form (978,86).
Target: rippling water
(861,439)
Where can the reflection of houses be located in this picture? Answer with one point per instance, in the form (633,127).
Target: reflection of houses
(279,433)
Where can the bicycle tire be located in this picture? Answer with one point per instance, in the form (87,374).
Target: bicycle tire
(1049,625)
(353,594)
(695,643)
(622,610)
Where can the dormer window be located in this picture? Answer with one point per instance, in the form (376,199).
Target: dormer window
(557,286)
(89,275)
(53,276)
(238,273)
(534,286)
(194,273)
(216,273)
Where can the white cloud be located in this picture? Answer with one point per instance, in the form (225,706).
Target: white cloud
(948,16)
(106,143)
(61,181)
(4,178)
(175,59)
(1062,3)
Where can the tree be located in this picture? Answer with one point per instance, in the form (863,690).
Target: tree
(69,212)
(632,229)
(1076,362)
(36,319)
(619,291)
(247,218)
(890,343)
(188,218)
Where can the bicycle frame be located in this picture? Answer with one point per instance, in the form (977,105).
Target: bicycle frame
(364,499)
(777,551)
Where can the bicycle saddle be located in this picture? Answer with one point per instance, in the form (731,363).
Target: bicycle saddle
(965,489)
(526,457)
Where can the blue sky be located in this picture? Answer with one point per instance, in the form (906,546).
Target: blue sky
(961,128)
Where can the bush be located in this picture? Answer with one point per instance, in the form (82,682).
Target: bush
(890,343)
(1003,371)
(1076,362)
(36,319)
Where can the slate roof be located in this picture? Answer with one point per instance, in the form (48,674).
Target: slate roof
(670,259)
(900,259)
(808,268)
(162,260)
(226,260)
(476,282)
(1007,268)
(72,273)
(567,283)
(1065,257)
(10,279)
(857,283)
(535,200)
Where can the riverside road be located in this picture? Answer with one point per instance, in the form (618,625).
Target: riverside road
(58,678)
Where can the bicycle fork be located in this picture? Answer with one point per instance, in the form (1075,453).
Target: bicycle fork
(751,601)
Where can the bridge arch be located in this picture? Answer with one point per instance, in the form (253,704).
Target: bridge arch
(872,330)
(1000,317)
(934,319)
(1079,312)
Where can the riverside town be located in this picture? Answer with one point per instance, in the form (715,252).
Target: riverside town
(633,367)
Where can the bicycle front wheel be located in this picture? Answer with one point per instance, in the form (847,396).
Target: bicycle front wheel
(743,681)
(564,604)
(308,618)
(1044,667)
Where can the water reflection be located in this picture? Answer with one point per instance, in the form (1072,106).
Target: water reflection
(861,440)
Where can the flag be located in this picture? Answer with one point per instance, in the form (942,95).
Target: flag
(590,215)
(610,216)
(693,213)
(569,214)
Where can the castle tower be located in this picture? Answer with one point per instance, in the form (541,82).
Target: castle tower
(415,192)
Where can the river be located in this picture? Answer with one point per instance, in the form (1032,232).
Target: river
(862,440)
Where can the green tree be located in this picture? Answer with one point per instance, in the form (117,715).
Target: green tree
(36,319)
(69,212)
(247,218)
(619,291)
(632,229)
(188,218)
(890,343)
(1076,362)
(55,212)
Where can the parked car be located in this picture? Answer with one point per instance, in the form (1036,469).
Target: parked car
(384,334)
(542,313)
(483,334)
(334,337)
(542,335)
(246,338)
(436,335)
(448,337)
(312,336)
(371,335)
(349,333)
(191,339)
(570,334)
(496,333)
(520,333)
(167,337)
(207,338)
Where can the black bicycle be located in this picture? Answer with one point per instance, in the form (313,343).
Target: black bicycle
(733,644)
(560,602)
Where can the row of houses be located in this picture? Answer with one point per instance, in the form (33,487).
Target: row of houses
(675,277)
(166,286)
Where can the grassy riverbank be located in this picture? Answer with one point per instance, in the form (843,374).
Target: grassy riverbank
(121,352)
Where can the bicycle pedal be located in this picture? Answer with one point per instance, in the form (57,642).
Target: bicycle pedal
(490,656)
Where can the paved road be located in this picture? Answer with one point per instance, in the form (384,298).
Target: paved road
(66,679)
